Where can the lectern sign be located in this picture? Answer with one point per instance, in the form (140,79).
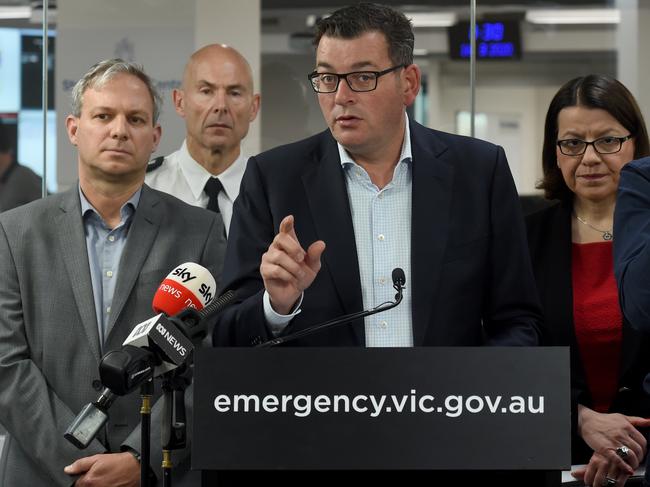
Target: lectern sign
(357,408)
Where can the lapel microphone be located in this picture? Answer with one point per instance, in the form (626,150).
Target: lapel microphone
(399,281)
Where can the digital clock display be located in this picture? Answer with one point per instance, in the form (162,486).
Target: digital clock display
(494,40)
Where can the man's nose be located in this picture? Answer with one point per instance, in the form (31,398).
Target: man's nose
(344,95)
(220,102)
(119,128)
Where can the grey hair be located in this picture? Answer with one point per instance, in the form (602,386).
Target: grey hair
(102,72)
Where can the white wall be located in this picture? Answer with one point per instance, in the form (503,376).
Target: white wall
(236,23)
(155,33)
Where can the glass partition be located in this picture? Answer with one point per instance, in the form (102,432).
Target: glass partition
(22,114)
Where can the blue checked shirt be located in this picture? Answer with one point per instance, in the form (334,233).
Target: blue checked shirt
(105,248)
(382,230)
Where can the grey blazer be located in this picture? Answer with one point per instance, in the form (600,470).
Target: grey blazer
(49,341)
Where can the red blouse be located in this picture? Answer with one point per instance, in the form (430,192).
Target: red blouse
(597,319)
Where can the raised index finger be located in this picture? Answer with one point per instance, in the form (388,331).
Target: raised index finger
(286,226)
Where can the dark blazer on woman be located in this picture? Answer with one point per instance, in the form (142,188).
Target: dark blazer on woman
(549,239)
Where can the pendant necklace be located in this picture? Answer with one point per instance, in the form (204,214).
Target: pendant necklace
(607,234)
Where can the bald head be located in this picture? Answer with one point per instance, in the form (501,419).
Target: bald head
(220,55)
(218,104)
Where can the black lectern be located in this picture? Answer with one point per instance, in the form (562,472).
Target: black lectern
(357,412)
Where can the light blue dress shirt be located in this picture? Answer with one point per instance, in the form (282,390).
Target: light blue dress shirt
(382,229)
(105,246)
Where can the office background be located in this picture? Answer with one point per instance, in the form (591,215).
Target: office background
(526,50)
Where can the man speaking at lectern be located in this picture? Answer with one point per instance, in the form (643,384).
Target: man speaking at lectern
(320,224)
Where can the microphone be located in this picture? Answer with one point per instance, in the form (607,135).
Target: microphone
(159,336)
(399,281)
(189,285)
(193,323)
(153,347)
(188,288)
(90,420)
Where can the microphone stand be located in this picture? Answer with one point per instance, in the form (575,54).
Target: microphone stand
(398,284)
(174,430)
(146,391)
(174,423)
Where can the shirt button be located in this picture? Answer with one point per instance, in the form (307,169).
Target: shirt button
(108,310)
(382,280)
(383,325)
(381,237)
(109,273)
(380,196)
(111,238)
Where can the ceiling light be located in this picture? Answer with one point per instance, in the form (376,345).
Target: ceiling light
(574,16)
(312,19)
(15,12)
(432,19)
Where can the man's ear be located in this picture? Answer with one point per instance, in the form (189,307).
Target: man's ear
(255,107)
(178,98)
(157,134)
(411,79)
(72,125)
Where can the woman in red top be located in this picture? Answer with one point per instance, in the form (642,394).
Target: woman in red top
(593,128)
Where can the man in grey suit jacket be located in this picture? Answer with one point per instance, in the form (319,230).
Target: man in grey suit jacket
(77,271)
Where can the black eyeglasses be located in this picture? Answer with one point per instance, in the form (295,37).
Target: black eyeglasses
(357,80)
(603,145)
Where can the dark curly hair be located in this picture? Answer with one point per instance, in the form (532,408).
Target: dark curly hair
(592,91)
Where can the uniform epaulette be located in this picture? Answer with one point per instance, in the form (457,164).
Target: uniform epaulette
(155,164)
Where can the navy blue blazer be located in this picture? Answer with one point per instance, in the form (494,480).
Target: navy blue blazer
(632,242)
(471,279)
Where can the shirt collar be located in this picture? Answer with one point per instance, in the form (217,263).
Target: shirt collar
(126,210)
(405,153)
(232,176)
(196,175)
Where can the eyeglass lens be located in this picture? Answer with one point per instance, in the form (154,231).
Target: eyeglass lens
(604,145)
(361,81)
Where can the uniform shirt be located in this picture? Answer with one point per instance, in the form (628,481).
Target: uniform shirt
(182,176)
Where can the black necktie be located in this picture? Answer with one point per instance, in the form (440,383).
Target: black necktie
(212,188)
